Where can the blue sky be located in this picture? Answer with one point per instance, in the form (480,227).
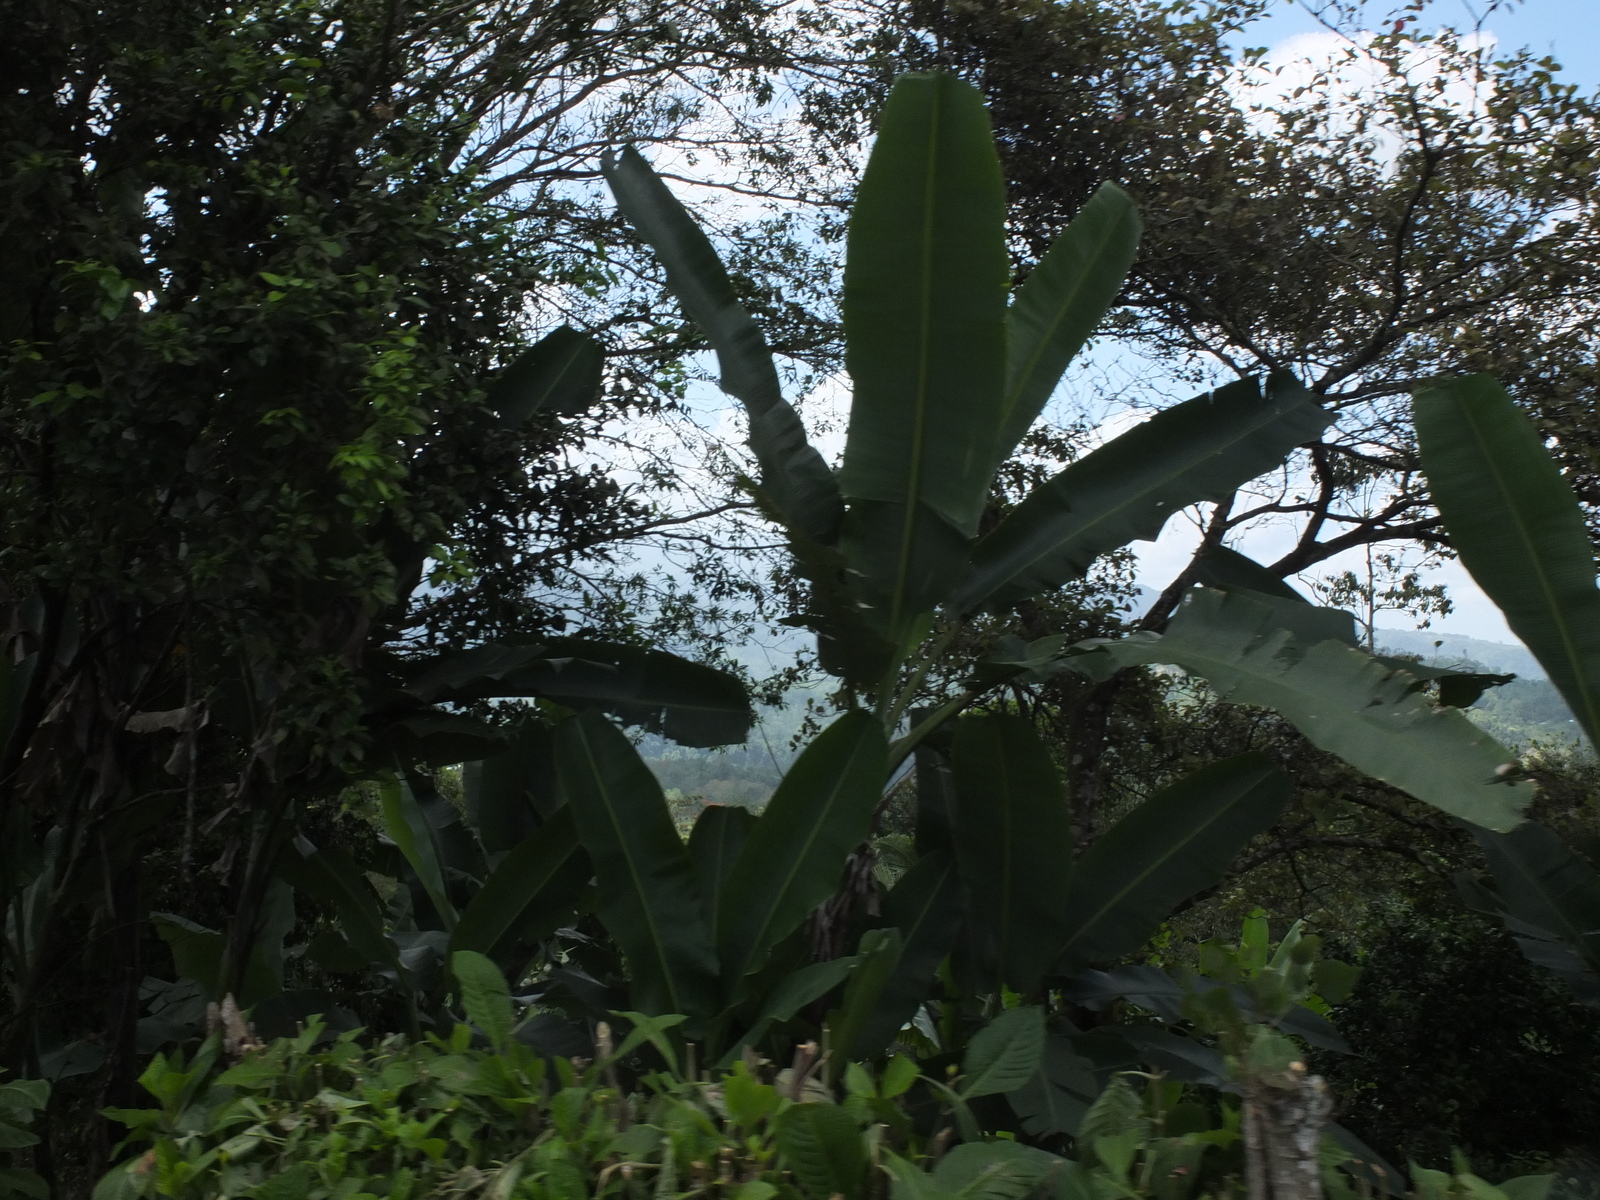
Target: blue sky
(1568,30)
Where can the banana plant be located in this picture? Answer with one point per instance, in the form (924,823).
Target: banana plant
(726,931)
(1518,528)
(948,373)
(948,377)
(902,550)
(716,930)
(502,877)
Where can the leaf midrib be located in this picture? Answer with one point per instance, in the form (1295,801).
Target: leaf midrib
(795,863)
(560,378)
(1245,666)
(931,904)
(722,871)
(1108,515)
(550,867)
(920,398)
(1100,914)
(638,883)
(1548,895)
(1025,372)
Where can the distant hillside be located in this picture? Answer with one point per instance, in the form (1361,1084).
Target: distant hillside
(1506,658)
(1528,709)
(739,775)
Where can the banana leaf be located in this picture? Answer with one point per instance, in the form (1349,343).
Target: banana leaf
(1201,449)
(1368,712)
(559,374)
(1064,297)
(1517,526)
(793,474)
(791,860)
(1013,841)
(1177,843)
(647,897)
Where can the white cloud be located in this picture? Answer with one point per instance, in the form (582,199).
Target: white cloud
(1350,73)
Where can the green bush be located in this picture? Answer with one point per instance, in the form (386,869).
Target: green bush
(1460,1041)
(482,1113)
(418,1118)
(308,1119)
(19,1101)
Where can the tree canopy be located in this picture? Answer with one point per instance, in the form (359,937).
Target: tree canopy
(330,368)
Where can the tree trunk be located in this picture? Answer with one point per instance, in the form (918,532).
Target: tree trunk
(125,917)
(1284,1116)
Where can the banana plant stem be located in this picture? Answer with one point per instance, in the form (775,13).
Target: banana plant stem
(919,673)
(901,747)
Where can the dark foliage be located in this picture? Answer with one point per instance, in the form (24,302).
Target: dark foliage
(1461,1042)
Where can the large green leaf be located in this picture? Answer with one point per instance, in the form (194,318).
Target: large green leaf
(792,859)
(196,950)
(796,990)
(1551,898)
(849,645)
(1004,1054)
(421,737)
(1058,1093)
(508,795)
(925,283)
(410,829)
(530,891)
(793,474)
(936,794)
(822,1148)
(1013,841)
(1231,571)
(645,885)
(460,853)
(485,996)
(1370,713)
(926,905)
(1221,567)
(1309,623)
(877,954)
(1516,523)
(329,875)
(1006,1170)
(1179,842)
(560,374)
(1201,449)
(1064,298)
(686,701)
(905,560)
(718,836)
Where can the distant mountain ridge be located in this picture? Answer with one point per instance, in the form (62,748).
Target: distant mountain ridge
(1508,657)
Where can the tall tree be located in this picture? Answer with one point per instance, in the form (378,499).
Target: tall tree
(1432,199)
(262,262)
(1421,204)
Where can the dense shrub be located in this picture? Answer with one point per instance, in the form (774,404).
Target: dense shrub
(412,1119)
(443,1116)
(310,1118)
(1461,1042)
